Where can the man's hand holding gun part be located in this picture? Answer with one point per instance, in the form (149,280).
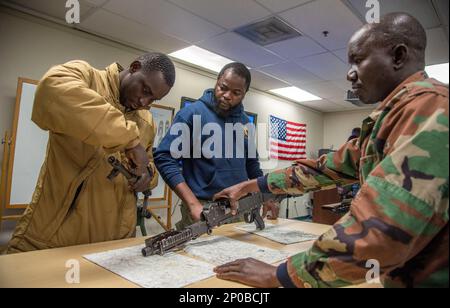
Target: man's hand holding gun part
(118,167)
(215,214)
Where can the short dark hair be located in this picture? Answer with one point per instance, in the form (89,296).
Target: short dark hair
(400,28)
(240,70)
(155,61)
(356,131)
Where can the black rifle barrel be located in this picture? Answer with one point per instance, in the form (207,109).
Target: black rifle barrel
(213,215)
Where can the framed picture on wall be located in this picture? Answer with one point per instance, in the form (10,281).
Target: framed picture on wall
(163,117)
(186,101)
(253,117)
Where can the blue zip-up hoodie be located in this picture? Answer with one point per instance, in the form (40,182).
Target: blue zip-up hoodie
(206,177)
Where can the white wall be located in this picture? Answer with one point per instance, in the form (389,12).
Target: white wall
(338,126)
(30,46)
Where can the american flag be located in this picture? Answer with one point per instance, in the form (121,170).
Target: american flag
(287,139)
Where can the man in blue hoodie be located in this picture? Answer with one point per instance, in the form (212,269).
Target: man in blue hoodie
(203,175)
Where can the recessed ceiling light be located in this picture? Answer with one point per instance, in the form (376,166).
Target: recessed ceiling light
(201,57)
(438,72)
(296,94)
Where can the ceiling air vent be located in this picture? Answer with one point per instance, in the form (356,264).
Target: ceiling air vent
(352,98)
(268,31)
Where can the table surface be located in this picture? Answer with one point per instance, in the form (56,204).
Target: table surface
(47,268)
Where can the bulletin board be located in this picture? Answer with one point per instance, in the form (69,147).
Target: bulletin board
(23,169)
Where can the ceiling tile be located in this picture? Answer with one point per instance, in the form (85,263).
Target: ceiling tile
(420,9)
(349,106)
(235,47)
(341,54)
(277,6)
(121,29)
(264,82)
(323,15)
(229,14)
(327,66)
(96,3)
(296,48)
(340,101)
(442,10)
(437,49)
(342,84)
(166,17)
(325,89)
(291,72)
(324,106)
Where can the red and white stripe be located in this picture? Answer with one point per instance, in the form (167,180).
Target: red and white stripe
(283,145)
(287,157)
(294,148)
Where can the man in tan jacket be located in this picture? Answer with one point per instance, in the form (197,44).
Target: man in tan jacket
(91,115)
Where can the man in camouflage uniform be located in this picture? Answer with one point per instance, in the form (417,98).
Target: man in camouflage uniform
(400,216)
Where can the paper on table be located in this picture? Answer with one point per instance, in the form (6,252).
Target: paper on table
(175,271)
(219,250)
(279,234)
(168,271)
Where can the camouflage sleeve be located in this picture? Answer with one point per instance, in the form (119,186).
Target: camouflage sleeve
(399,210)
(331,170)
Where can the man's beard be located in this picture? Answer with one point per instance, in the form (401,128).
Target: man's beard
(222,113)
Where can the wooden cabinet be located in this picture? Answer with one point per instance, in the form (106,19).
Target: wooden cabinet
(321,215)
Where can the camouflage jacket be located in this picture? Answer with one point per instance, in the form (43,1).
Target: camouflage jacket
(399,219)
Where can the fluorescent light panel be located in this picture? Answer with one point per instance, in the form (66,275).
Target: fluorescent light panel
(296,94)
(201,57)
(438,72)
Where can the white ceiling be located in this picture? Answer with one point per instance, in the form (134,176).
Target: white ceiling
(312,62)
